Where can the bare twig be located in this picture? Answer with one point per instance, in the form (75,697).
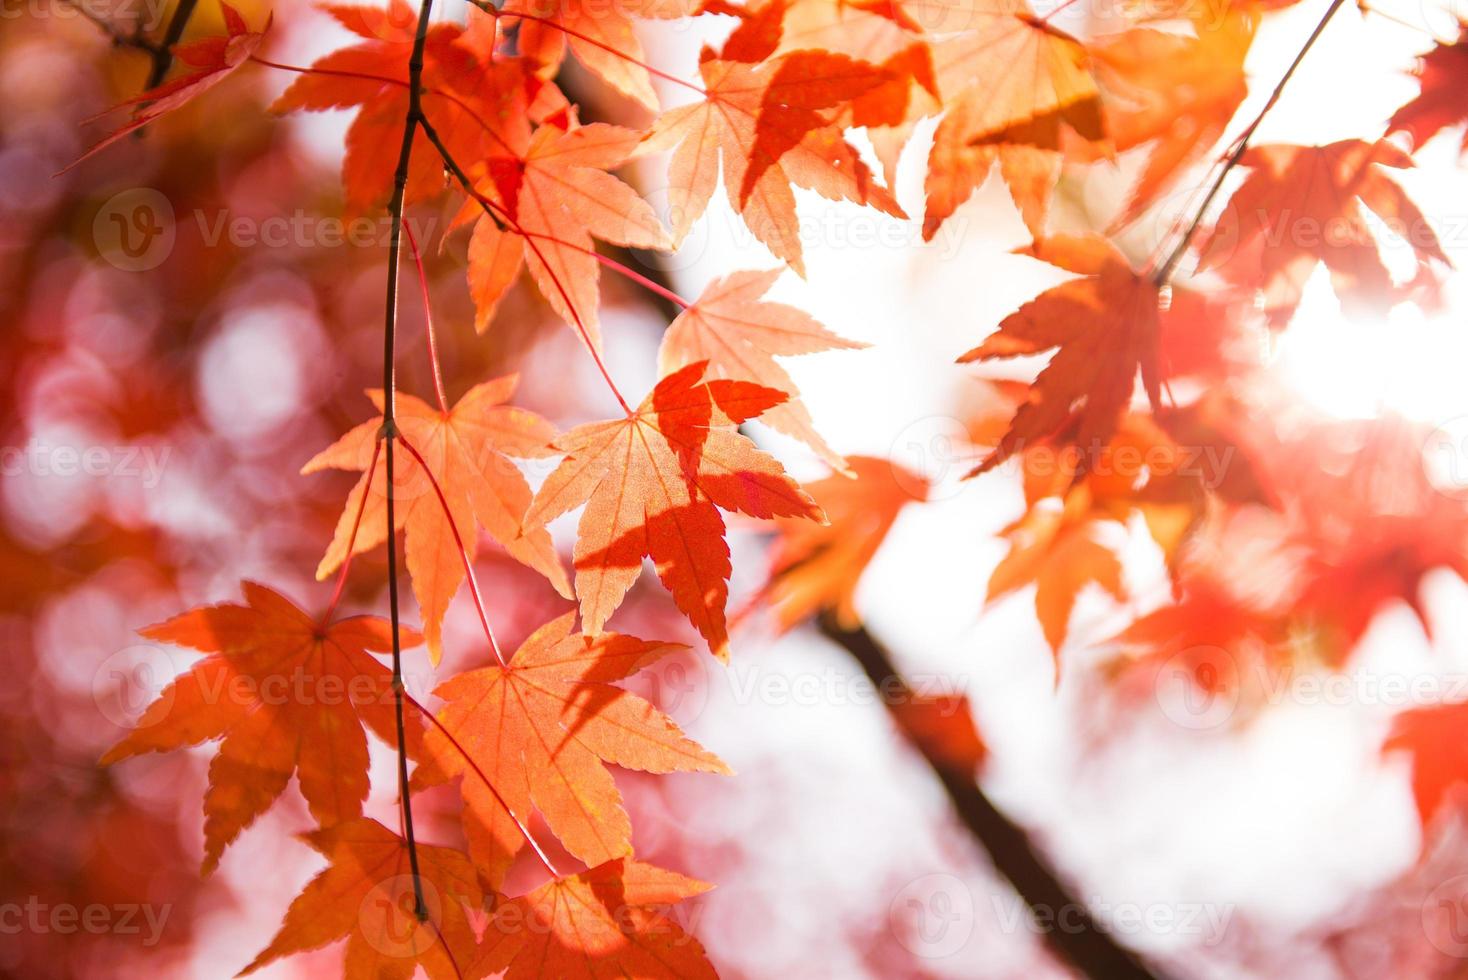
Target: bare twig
(1164,272)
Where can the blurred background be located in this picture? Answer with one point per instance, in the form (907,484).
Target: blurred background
(156,405)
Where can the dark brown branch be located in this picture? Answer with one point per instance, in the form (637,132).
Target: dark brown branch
(1164,273)
(1083,943)
(389,431)
(163,51)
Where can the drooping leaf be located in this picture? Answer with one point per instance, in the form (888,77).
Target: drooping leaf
(209,61)
(739,335)
(366,895)
(1056,550)
(654,483)
(542,731)
(614,920)
(287,695)
(467,450)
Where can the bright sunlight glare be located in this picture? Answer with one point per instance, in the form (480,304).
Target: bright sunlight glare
(1409,362)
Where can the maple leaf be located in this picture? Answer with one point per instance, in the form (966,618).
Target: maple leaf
(1443,98)
(1301,206)
(561,197)
(1388,527)
(366,895)
(1008,87)
(1055,550)
(1433,736)
(880,34)
(287,695)
(600,35)
(654,482)
(210,61)
(478,104)
(466,451)
(739,335)
(1071,496)
(816,568)
(1175,92)
(725,128)
(1106,329)
(611,920)
(541,730)
(803,88)
(1230,624)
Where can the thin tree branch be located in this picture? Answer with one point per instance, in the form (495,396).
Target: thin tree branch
(163,51)
(1164,273)
(390,433)
(1083,943)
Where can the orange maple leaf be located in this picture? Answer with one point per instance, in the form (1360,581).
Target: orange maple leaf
(286,694)
(1055,549)
(1106,329)
(654,482)
(540,731)
(1008,87)
(210,61)
(1174,92)
(1301,206)
(600,35)
(366,895)
(880,34)
(1434,737)
(725,127)
(815,568)
(1072,498)
(739,335)
(560,198)
(476,102)
(804,90)
(467,450)
(612,920)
